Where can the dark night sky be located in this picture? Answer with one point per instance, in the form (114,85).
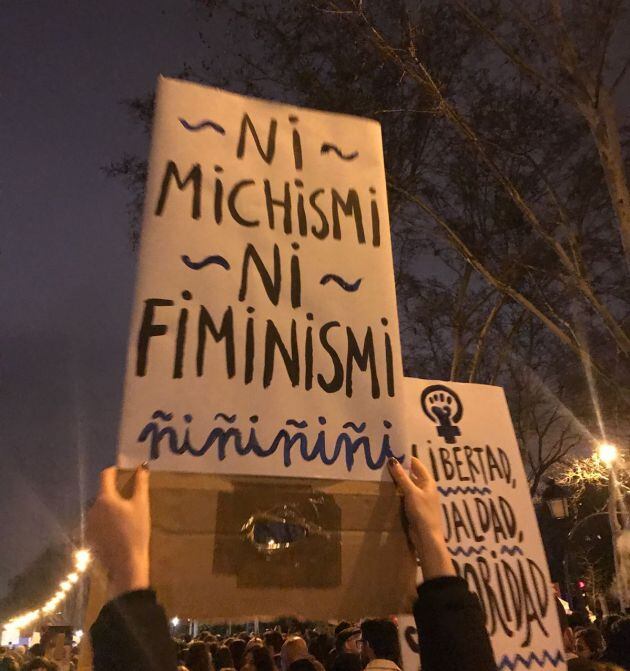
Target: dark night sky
(66,265)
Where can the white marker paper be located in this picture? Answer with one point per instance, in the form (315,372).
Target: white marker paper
(264,335)
(464,435)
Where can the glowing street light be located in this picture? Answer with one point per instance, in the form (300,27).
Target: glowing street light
(175,621)
(81,560)
(607,453)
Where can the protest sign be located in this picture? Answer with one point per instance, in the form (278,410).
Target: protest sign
(409,642)
(264,336)
(463,433)
(264,344)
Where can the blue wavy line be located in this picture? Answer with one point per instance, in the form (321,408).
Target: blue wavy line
(531,659)
(197,265)
(295,422)
(514,550)
(447,491)
(228,418)
(358,428)
(328,147)
(204,123)
(346,286)
(160,414)
(467,553)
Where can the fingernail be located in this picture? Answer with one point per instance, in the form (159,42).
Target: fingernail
(392,461)
(145,465)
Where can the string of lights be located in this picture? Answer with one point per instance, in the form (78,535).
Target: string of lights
(82,560)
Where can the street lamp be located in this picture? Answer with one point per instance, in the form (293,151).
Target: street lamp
(556,499)
(607,453)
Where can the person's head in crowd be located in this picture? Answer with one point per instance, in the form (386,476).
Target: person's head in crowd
(40,664)
(319,646)
(589,643)
(36,650)
(181,648)
(244,636)
(273,640)
(257,658)
(348,640)
(304,664)
(222,658)
(341,626)
(14,655)
(379,640)
(254,642)
(237,650)
(198,657)
(293,648)
(618,643)
(9,664)
(212,646)
(347,661)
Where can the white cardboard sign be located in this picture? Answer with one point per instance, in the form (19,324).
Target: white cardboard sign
(409,644)
(464,435)
(264,335)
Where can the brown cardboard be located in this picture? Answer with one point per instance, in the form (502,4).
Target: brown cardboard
(203,568)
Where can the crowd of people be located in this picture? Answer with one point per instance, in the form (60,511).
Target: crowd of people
(348,647)
(132,632)
(370,645)
(589,646)
(54,656)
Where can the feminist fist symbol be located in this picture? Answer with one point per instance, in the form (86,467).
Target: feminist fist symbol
(443,407)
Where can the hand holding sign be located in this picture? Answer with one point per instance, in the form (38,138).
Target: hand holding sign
(422,506)
(119,530)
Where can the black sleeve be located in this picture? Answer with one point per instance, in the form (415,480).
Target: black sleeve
(131,633)
(451,627)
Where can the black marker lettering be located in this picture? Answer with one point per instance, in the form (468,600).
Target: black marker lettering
(173,172)
(271,286)
(247,124)
(234,191)
(350,206)
(148,330)
(225,331)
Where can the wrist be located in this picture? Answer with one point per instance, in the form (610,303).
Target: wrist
(134,576)
(435,560)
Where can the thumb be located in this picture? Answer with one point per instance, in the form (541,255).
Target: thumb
(108,482)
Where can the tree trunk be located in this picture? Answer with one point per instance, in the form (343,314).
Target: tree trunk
(603,124)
